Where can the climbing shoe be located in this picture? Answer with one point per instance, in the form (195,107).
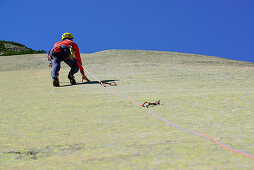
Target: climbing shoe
(72,79)
(55,82)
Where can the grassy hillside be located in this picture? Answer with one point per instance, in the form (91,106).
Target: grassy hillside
(8,48)
(86,127)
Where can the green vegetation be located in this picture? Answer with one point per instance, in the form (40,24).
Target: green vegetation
(11,42)
(11,51)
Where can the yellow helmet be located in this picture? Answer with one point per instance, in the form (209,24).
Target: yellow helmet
(67,35)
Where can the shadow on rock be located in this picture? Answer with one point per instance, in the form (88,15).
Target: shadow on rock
(91,82)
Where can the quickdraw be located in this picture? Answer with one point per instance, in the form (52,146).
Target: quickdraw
(111,83)
(147,104)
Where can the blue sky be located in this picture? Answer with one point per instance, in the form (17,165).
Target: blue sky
(223,28)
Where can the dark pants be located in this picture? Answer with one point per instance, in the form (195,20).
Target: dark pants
(56,65)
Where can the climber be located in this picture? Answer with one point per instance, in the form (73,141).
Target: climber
(67,51)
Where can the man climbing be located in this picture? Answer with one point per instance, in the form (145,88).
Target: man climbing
(67,51)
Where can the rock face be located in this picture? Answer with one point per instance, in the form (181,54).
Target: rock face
(86,127)
(14,47)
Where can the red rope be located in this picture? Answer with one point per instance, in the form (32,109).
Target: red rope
(174,125)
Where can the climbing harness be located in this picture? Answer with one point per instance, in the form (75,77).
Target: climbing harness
(147,104)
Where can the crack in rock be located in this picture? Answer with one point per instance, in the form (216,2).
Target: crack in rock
(34,154)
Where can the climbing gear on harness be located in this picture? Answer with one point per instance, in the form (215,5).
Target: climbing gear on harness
(49,58)
(71,56)
(67,35)
(62,52)
(147,104)
(72,79)
(56,82)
